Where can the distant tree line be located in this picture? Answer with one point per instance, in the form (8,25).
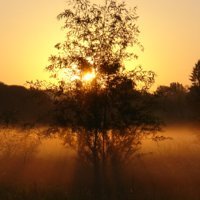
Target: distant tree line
(174,102)
(181,103)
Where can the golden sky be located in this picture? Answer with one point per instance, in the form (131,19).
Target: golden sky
(170,34)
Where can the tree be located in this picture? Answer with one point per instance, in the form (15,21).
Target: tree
(193,97)
(103,119)
(174,88)
(177,88)
(195,76)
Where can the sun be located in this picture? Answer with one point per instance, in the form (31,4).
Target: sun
(63,74)
(89,76)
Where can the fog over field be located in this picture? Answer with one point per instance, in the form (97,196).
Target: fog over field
(168,168)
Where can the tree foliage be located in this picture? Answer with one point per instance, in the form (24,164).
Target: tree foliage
(195,76)
(103,119)
(193,97)
(174,89)
(98,33)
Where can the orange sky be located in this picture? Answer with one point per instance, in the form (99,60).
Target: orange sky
(170,33)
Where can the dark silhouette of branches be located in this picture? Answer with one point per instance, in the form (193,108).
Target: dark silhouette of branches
(193,97)
(195,76)
(103,119)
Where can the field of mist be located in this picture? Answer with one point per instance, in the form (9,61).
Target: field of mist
(167,169)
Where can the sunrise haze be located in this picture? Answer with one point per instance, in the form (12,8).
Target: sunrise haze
(169,33)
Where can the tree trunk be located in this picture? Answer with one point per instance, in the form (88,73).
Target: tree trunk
(97,178)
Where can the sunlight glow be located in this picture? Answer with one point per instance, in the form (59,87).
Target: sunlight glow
(89,76)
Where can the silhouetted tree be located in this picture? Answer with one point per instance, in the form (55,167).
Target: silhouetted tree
(177,88)
(103,119)
(174,88)
(193,97)
(163,90)
(195,76)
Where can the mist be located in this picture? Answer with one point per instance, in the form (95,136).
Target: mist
(167,169)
